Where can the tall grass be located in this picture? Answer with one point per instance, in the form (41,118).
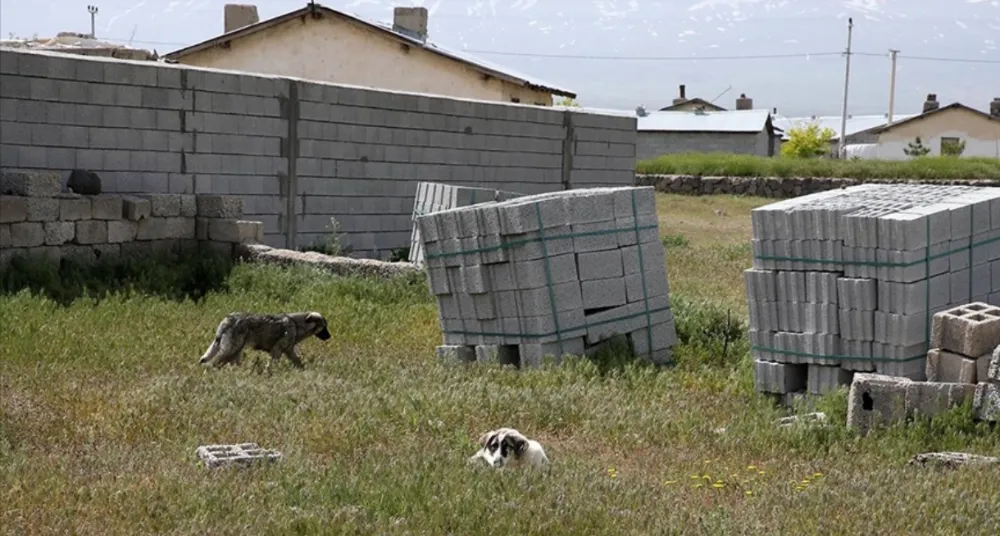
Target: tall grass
(719,164)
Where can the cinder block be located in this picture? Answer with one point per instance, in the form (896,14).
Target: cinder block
(876,400)
(599,264)
(948,367)
(823,379)
(761,285)
(165,205)
(91,232)
(971,330)
(664,335)
(542,329)
(631,233)
(656,284)
(779,378)
(42,208)
(986,402)
(122,231)
(532,355)
(136,208)
(608,323)
(14,209)
(539,301)
(525,214)
(235,231)
(105,207)
(220,206)
(597,236)
(189,205)
(535,274)
(590,206)
(537,245)
(30,184)
(75,208)
(602,293)
(455,353)
(475,279)
(58,233)
(857,294)
(929,399)
(22,234)
(901,330)
(913,369)
(857,325)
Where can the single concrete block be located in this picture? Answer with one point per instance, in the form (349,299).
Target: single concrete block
(779,378)
(971,330)
(104,207)
(523,215)
(76,208)
(857,325)
(136,208)
(656,284)
(122,231)
(597,236)
(986,402)
(220,206)
(58,233)
(944,366)
(13,209)
(235,231)
(165,205)
(475,279)
(761,285)
(856,294)
(664,335)
(537,245)
(542,329)
(876,400)
(535,273)
(91,232)
(22,235)
(189,205)
(437,278)
(456,353)
(631,233)
(929,399)
(484,307)
(600,264)
(603,293)
(30,184)
(539,301)
(42,208)
(823,379)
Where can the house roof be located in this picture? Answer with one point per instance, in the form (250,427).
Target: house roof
(727,121)
(462,57)
(952,106)
(697,100)
(855,123)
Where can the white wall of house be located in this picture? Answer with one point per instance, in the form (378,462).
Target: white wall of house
(892,149)
(981,135)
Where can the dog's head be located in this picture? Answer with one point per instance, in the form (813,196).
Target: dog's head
(316,324)
(498,447)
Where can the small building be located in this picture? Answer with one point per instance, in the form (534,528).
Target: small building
(749,132)
(938,127)
(323,44)
(683,104)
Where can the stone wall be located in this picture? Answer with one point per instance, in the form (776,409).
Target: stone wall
(296,152)
(38,217)
(772,187)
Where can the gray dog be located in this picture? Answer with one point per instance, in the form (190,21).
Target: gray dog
(274,334)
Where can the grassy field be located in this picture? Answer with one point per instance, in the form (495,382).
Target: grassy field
(707,164)
(102,405)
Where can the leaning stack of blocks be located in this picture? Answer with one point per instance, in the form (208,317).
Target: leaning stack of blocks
(966,350)
(550,275)
(847,280)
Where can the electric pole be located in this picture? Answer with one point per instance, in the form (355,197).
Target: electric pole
(892,83)
(847,79)
(93,13)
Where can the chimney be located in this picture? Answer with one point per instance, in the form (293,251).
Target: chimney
(774,111)
(236,16)
(681,97)
(411,21)
(995,107)
(931,103)
(744,103)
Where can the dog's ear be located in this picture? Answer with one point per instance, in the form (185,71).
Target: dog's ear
(516,443)
(484,438)
(314,317)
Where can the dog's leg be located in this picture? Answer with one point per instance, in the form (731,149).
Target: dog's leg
(294,357)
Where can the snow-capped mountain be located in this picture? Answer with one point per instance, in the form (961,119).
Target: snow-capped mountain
(623,53)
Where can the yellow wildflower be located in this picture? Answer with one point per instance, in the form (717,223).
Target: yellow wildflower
(748,492)
(751,467)
(718,485)
(817,475)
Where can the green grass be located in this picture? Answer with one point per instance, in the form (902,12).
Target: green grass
(102,405)
(717,164)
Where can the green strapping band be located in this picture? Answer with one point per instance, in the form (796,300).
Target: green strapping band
(837,357)
(642,272)
(585,325)
(548,276)
(524,241)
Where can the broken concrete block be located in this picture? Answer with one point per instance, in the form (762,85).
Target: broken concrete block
(986,402)
(944,366)
(136,208)
(189,205)
(30,183)
(971,330)
(875,401)
(235,231)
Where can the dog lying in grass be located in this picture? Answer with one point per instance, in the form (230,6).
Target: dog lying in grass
(275,334)
(506,447)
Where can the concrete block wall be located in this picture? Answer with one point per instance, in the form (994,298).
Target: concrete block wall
(296,152)
(37,217)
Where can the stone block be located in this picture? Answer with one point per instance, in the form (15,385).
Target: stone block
(58,233)
(91,232)
(945,366)
(75,208)
(42,208)
(165,205)
(876,400)
(928,399)
(189,205)
(13,209)
(122,231)
(971,330)
(106,207)
(30,183)
(22,234)
(220,206)
(986,402)
(456,353)
(235,231)
(165,228)
(779,378)
(136,208)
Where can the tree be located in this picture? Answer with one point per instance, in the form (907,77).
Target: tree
(916,148)
(952,147)
(566,101)
(807,142)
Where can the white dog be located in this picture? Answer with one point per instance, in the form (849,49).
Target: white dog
(507,447)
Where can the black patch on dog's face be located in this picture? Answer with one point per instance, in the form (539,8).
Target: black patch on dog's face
(512,445)
(324,334)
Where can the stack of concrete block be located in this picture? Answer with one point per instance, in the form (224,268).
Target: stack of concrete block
(847,280)
(436,196)
(550,275)
(37,217)
(966,349)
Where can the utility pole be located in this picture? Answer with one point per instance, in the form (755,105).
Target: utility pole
(93,13)
(847,79)
(892,82)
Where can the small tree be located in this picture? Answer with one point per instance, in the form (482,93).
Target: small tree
(809,141)
(951,147)
(916,148)
(566,101)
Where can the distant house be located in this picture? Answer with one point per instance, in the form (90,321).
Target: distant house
(937,127)
(859,129)
(324,44)
(738,132)
(683,104)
